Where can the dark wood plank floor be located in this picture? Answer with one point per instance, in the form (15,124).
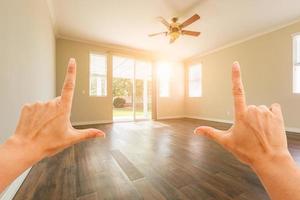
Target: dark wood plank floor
(160,160)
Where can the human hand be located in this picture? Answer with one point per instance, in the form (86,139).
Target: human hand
(44,129)
(257,135)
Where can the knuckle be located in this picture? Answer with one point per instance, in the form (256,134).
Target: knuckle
(71,69)
(90,135)
(240,117)
(252,108)
(237,90)
(69,85)
(263,108)
(39,104)
(206,133)
(265,111)
(48,104)
(57,101)
(276,105)
(27,107)
(280,119)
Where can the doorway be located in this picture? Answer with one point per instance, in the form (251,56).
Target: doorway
(132,89)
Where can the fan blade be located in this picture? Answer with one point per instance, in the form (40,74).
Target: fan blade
(189,21)
(164,22)
(191,33)
(154,34)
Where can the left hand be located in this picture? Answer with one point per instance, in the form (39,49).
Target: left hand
(45,128)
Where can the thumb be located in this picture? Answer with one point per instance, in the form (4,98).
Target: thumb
(85,134)
(211,133)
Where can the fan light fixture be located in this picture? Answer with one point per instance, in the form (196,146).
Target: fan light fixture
(175,29)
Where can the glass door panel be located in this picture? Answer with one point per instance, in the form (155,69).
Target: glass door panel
(132,89)
(143,90)
(123,81)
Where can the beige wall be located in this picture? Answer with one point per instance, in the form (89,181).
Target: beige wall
(266,63)
(27,68)
(27,54)
(85,108)
(88,109)
(172,106)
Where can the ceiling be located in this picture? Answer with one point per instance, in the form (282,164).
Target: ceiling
(128,22)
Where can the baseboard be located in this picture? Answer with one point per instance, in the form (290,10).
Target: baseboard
(289,129)
(211,119)
(91,122)
(13,188)
(293,130)
(171,117)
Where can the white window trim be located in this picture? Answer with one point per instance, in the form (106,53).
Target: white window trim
(106,59)
(295,64)
(168,69)
(200,80)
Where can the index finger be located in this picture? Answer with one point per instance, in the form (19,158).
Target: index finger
(69,85)
(238,90)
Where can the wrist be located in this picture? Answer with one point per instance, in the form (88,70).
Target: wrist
(24,150)
(273,163)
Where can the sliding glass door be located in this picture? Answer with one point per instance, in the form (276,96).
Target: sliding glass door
(132,87)
(143,90)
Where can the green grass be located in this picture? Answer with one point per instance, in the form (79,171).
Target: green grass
(121,112)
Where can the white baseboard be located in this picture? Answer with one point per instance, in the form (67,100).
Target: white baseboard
(293,130)
(91,122)
(172,117)
(211,119)
(13,188)
(289,129)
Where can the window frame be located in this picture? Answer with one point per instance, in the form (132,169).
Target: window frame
(167,66)
(296,64)
(105,76)
(199,80)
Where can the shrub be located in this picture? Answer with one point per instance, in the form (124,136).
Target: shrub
(119,102)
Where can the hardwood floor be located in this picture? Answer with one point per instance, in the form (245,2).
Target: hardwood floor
(160,160)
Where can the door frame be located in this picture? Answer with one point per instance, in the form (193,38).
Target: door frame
(153,85)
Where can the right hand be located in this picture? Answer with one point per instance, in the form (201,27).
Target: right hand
(257,135)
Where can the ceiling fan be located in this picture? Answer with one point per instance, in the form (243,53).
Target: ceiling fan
(175,29)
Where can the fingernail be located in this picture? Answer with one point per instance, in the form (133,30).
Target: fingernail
(236,64)
(72,61)
(100,134)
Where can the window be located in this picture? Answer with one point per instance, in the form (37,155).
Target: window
(195,82)
(98,75)
(163,73)
(296,63)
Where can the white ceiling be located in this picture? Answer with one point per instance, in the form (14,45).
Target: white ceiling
(128,22)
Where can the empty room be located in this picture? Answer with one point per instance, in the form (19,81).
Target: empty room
(140,99)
